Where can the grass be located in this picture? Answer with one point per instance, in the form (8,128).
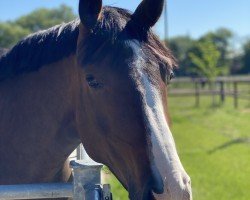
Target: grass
(214,147)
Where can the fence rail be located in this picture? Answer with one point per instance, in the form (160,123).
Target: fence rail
(36,191)
(223,87)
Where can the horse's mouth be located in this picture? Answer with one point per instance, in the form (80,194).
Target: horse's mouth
(149,194)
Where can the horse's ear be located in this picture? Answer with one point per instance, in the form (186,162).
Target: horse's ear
(148,13)
(89,12)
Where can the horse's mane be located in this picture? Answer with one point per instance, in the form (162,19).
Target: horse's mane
(41,48)
(51,45)
(3,51)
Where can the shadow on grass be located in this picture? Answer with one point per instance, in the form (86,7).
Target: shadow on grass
(243,140)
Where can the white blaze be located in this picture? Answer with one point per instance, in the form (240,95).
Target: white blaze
(165,157)
(163,146)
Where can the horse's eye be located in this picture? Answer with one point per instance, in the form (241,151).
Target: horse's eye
(166,74)
(170,76)
(92,82)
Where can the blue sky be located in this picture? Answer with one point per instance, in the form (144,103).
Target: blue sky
(193,17)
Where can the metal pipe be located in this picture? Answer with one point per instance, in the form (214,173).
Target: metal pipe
(87,178)
(86,186)
(36,191)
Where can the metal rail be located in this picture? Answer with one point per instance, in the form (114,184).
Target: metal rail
(36,191)
(86,186)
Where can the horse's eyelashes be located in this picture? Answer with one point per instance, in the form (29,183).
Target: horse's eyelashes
(92,82)
(169,77)
(90,78)
(172,75)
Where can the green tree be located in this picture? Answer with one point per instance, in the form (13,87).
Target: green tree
(205,60)
(222,40)
(13,31)
(180,47)
(246,58)
(45,18)
(183,45)
(11,34)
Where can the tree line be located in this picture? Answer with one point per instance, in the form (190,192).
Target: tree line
(13,31)
(211,55)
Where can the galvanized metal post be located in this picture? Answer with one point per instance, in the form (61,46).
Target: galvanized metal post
(81,154)
(87,180)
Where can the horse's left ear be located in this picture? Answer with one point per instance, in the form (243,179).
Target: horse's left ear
(89,12)
(148,13)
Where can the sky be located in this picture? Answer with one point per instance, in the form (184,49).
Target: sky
(185,17)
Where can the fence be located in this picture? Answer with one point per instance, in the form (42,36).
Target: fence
(86,185)
(235,87)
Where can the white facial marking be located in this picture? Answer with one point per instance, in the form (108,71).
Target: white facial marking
(165,157)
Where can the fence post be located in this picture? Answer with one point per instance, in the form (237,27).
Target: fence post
(87,180)
(222,92)
(235,94)
(81,154)
(197,94)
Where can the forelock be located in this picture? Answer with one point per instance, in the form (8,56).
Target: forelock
(114,29)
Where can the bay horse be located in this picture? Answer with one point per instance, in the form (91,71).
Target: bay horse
(100,80)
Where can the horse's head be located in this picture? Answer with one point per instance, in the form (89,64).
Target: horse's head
(123,114)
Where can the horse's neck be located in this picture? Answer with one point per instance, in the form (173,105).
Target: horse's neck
(37,123)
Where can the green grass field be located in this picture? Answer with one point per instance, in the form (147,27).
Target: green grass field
(214,147)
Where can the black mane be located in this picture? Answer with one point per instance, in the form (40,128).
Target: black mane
(41,48)
(45,47)
(3,52)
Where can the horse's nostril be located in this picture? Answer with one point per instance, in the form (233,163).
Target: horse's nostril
(158,186)
(187,196)
(158,189)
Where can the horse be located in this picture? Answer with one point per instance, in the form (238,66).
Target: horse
(100,80)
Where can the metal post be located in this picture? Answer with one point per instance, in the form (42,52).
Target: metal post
(166,31)
(222,92)
(107,195)
(235,94)
(87,180)
(197,94)
(81,153)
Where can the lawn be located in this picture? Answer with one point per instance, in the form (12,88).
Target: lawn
(214,146)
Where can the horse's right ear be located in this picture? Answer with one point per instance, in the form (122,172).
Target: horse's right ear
(148,13)
(89,12)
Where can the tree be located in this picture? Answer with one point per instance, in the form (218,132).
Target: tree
(183,45)
(13,31)
(45,18)
(246,58)
(205,60)
(180,47)
(221,38)
(11,34)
